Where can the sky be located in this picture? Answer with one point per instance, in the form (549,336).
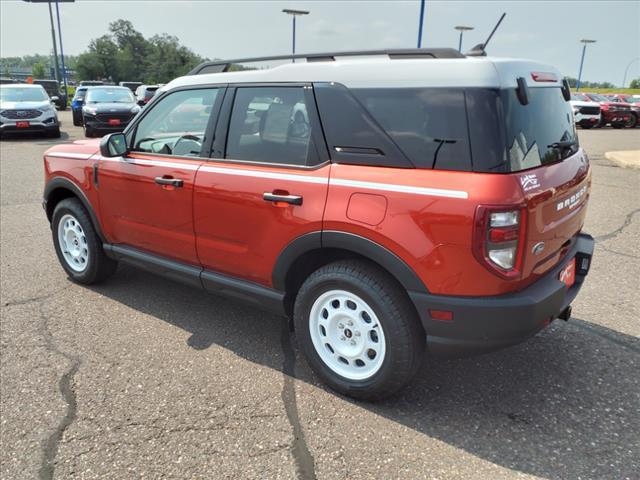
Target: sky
(547,31)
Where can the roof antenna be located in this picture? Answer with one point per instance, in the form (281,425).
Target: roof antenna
(479,50)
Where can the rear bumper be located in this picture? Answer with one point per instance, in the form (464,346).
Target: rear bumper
(483,324)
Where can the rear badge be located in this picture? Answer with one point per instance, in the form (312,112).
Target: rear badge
(538,248)
(529,182)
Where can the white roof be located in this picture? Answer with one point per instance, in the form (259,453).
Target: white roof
(381,72)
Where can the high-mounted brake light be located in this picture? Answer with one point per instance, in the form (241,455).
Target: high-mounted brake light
(499,239)
(544,77)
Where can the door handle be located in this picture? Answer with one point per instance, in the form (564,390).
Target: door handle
(285,198)
(174,182)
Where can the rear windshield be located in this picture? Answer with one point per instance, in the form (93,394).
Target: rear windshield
(534,130)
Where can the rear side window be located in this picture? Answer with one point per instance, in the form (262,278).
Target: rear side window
(271,125)
(428,124)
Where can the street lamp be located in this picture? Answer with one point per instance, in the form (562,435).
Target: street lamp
(294,14)
(584,41)
(421,22)
(626,70)
(53,36)
(461,29)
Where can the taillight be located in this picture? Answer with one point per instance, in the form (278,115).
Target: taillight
(499,239)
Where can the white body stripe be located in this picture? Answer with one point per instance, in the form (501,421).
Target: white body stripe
(339,182)
(262,174)
(79,156)
(432,192)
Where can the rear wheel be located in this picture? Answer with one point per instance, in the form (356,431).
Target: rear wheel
(618,125)
(586,126)
(358,330)
(632,122)
(77,245)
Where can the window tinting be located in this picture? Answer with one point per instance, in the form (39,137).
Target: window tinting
(428,124)
(270,124)
(177,124)
(532,129)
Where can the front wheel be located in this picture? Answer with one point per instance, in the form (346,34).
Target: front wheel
(632,122)
(618,125)
(77,245)
(358,330)
(88,131)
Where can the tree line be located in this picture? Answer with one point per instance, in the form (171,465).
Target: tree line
(123,54)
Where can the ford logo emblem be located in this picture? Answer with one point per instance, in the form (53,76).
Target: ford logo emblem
(538,248)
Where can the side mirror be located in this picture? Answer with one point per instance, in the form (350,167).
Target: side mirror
(141,103)
(113,145)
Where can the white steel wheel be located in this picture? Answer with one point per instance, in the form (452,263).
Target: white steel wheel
(73,243)
(347,335)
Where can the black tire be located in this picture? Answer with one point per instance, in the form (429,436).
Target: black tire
(88,131)
(586,126)
(77,119)
(633,121)
(618,125)
(98,267)
(403,333)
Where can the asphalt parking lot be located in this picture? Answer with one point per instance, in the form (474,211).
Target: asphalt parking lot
(140,377)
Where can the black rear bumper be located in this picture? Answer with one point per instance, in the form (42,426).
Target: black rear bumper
(482,324)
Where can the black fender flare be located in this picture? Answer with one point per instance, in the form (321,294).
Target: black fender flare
(350,242)
(66,184)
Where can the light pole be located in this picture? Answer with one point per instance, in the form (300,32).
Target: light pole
(584,42)
(421,22)
(64,70)
(626,70)
(294,14)
(461,29)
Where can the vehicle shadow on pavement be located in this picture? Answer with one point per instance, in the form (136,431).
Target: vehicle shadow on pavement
(562,405)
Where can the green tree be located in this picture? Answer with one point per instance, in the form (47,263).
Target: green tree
(635,83)
(168,59)
(38,70)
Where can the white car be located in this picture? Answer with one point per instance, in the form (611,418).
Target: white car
(27,108)
(585,112)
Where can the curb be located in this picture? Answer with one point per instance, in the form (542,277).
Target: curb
(625,159)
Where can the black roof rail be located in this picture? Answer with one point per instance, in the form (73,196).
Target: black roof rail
(219,66)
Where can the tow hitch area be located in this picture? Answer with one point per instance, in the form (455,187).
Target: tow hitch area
(565,314)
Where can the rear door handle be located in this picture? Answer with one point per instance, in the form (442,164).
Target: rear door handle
(174,182)
(291,199)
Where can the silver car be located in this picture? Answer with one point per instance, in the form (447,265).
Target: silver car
(27,108)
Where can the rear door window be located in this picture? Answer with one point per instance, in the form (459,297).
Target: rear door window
(271,125)
(428,124)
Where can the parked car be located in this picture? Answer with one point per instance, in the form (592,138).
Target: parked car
(57,94)
(27,108)
(385,204)
(144,93)
(76,105)
(585,113)
(107,109)
(130,85)
(611,113)
(634,104)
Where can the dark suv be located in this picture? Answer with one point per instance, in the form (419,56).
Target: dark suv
(415,200)
(107,109)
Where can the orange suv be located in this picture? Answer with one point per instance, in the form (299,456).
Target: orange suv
(389,203)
